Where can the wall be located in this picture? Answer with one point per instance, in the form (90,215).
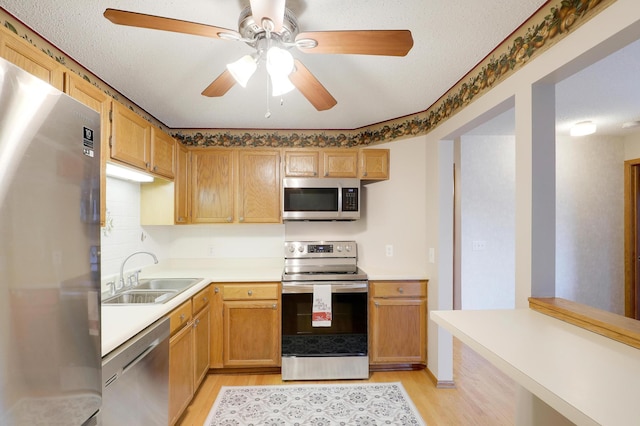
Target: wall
(590,221)
(487,175)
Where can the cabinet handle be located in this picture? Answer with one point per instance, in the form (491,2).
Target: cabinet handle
(250,293)
(400,290)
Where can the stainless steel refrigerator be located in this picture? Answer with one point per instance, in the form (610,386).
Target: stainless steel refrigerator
(50,363)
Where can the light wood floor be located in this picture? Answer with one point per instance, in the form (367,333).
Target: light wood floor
(483,395)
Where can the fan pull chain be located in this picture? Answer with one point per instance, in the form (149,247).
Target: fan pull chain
(268,113)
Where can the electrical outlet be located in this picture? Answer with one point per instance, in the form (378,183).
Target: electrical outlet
(389,250)
(211,251)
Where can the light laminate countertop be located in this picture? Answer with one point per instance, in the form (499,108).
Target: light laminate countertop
(122,322)
(586,377)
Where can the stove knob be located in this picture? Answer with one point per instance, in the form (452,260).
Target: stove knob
(347,248)
(291,248)
(300,249)
(339,249)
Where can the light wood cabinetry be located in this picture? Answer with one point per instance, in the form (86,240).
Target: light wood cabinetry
(212,191)
(96,99)
(301,162)
(188,351)
(259,186)
(340,163)
(163,153)
(31,59)
(398,322)
(181,190)
(374,164)
(235,186)
(250,330)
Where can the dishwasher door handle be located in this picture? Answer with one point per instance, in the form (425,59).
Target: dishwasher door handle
(139,358)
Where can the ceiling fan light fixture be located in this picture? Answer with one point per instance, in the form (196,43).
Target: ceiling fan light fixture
(243,69)
(583,128)
(279,66)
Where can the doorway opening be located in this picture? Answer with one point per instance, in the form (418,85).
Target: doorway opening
(631,238)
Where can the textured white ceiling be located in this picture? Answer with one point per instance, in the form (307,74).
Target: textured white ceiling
(164,73)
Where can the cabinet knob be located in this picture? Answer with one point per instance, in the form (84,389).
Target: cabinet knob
(250,293)
(364,173)
(376,304)
(274,306)
(229,218)
(146,165)
(216,290)
(400,290)
(241,218)
(195,324)
(205,299)
(181,317)
(326,174)
(155,168)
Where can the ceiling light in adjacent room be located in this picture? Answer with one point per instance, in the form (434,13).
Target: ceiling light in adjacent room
(583,128)
(124,173)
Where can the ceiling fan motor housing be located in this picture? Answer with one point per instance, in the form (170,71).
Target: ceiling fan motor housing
(252,30)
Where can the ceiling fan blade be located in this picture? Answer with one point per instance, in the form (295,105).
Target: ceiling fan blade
(134,19)
(270,9)
(311,88)
(220,85)
(359,42)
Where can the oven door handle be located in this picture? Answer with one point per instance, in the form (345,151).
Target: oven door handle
(305,287)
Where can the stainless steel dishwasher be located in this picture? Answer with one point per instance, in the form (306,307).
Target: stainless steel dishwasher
(135,379)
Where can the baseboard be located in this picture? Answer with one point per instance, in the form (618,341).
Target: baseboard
(396,367)
(441,384)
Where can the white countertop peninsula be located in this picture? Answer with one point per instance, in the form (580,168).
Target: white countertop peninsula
(586,377)
(122,322)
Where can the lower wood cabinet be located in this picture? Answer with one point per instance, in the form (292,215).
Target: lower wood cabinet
(398,322)
(188,351)
(250,330)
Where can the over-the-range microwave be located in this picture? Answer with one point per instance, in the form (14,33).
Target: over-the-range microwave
(320,199)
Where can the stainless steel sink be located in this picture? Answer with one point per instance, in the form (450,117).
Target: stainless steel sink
(151,291)
(135,296)
(179,284)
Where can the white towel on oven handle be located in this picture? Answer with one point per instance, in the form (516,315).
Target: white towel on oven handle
(321,310)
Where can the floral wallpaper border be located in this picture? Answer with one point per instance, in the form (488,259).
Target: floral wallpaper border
(545,28)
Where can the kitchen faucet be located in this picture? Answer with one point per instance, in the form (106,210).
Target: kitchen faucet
(121,280)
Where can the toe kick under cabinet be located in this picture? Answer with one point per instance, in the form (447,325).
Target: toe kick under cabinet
(398,324)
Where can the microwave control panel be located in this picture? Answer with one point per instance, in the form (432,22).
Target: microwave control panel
(349,199)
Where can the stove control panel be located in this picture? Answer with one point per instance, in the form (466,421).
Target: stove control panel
(312,249)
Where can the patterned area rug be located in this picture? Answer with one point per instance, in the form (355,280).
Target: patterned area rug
(317,405)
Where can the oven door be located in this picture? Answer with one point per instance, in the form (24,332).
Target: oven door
(346,336)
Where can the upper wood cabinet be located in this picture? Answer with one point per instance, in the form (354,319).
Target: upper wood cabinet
(340,163)
(96,99)
(130,140)
(29,58)
(212,189)
(259,186)
(301,163)
(374,164)
(163,153)
(182,185)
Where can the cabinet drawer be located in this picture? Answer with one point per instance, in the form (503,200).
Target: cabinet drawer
(250,291)
(398,288)
(180,316)
(201,299)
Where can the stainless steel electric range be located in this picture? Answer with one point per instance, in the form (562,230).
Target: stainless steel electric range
(324,312)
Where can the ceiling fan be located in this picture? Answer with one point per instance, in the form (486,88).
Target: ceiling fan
(272,29)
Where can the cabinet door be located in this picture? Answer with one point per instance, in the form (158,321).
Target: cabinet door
(340,163)
(374,164)
(259,186)
(180,372)
(212,192)
(201,343)
(181,184)
(130,137)
(163,153)
(99,101)
(251,333)
(398,330)
(301,163)
(30,59)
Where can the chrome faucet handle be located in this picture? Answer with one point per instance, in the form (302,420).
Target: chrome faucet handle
(111,285)
(134,278)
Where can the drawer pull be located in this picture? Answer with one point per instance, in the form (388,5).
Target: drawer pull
(205,299)
(400,290)
(216,290)
(181,317)
(376,304)
(250,293)
(274,306)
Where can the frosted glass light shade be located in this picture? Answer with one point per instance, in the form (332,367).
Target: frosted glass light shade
(243,69)
(583,128)
(279,66)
